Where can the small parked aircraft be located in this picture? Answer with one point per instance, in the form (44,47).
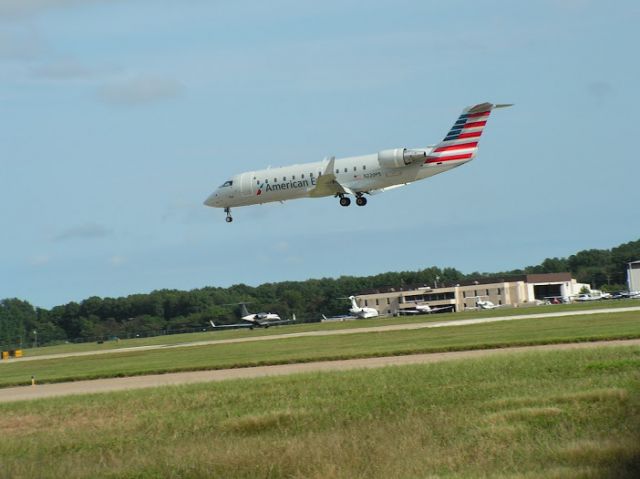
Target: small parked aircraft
(252,320)
(484,304)
(358,175)
(424,309)
(360,312)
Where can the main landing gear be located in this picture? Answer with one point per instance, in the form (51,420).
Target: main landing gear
(229,218)
(346,201)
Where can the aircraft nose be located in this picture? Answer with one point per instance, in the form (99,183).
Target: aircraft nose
(212,199)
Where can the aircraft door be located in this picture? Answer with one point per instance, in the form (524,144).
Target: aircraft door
(247,184)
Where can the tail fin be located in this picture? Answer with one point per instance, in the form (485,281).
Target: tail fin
(213,325)
(243,310)
(461,143)
(354,305)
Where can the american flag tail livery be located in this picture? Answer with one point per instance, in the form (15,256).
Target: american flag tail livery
(461,143)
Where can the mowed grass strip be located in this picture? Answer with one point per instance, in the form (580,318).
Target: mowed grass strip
(207,334)
(563,414)
(305,349)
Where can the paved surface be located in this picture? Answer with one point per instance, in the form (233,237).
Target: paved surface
(373,329)
(138,382)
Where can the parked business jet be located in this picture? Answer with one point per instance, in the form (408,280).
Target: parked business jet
(483,304)
(424,309)
(358,175)
(262,320)
(361,313)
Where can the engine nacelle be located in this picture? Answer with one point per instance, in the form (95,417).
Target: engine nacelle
(399,157)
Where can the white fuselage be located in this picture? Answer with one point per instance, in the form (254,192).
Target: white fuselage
(357,176)
(358,173)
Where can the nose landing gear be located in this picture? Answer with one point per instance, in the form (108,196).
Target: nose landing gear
(229,218)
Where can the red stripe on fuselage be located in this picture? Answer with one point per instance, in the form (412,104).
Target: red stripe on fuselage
(461,146)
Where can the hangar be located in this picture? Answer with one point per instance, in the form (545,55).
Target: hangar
(633,276)
(512,291)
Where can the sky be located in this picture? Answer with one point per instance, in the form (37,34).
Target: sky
(118,118)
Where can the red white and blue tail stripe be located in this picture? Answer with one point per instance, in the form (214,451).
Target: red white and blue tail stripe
(461,143)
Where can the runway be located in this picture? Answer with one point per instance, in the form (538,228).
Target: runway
(372,329)
(175,379)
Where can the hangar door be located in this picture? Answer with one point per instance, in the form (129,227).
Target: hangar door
(541,291)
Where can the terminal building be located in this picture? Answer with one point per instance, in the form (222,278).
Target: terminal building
(513,291)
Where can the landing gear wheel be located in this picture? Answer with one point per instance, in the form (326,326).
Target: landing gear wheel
(228,219)
(361,201)
(344,201)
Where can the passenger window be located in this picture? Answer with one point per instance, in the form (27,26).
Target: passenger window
(364,167)
(302,176)
(354,168)
(293,177)
(311,175)
(337,170)
(284,178)
(275,180)
(345,170)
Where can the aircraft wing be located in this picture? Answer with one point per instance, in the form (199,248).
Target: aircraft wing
(441,308)
(327,184)
(231,326)
(382,190)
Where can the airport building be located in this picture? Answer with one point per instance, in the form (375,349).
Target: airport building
(633,276)
(514,291)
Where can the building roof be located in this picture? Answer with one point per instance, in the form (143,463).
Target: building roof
(527,278)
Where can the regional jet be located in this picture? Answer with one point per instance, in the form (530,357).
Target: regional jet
(357,176)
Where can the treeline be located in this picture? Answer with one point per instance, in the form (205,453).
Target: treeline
(171,311)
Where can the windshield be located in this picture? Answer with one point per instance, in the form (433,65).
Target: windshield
(226,183)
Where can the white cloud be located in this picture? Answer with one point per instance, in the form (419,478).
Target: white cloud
(117,260)
(20,8)
(62,70)
(20,44)
(39,260)
(85,231)
(140,90)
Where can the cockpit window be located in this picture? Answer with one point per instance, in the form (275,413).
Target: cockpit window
(227,183)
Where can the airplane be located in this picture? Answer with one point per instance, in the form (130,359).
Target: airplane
(484,304)
(361,313)
(358,175)
(424,309)
(252,320)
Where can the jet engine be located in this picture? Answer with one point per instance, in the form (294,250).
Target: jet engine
(399,157)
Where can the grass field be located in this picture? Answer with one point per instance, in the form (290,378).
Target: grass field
(570,414)
(366,323)
(303,349)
